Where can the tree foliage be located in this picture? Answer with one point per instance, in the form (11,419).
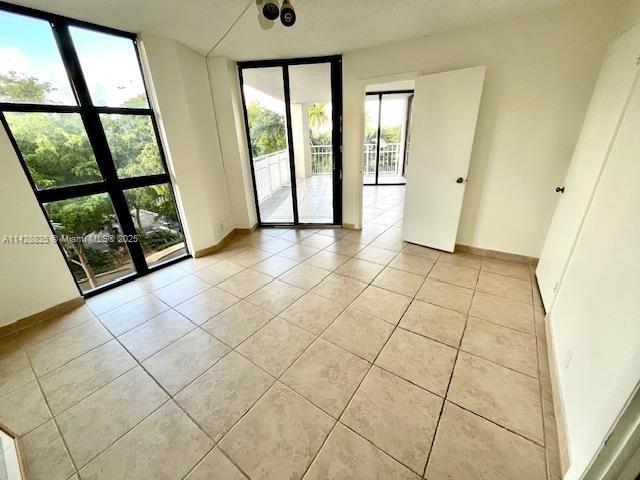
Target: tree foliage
(267,130)
(57,152)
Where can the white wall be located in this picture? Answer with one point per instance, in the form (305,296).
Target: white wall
(225,88)
(32,277)
(185,107)
(541,70)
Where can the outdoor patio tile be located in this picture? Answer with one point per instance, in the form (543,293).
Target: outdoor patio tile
(346,455)
(237,323)
(422,361)
(381,303)
(132,314)
(398,281)
(396,416)
(181,362)
(312,312)
(301,429)
(503,396)
(360,333)
(305,276)
(275,296)
(276,346)
(223,394)
(360,270)
(342,290)
(245,283)
(327,376)
(435,322)
(489,450)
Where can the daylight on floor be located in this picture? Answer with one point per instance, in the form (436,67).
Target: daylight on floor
(319,240)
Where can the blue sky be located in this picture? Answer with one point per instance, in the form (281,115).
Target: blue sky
(109,63)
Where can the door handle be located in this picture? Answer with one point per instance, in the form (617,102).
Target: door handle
(560,189)
(460,180)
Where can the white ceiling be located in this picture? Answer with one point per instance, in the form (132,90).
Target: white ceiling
(323,26)
(308,83)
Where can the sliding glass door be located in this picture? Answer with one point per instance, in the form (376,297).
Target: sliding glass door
(292,113)
(386,138)
(74,105)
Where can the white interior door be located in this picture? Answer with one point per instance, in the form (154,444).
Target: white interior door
(443,124)
(610,98)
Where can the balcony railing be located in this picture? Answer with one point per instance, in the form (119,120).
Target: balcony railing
(272,173)
(321,159)
(390,159)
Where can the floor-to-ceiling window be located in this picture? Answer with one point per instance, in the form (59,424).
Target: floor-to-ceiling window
(292,111)
(74,104)
(386,137)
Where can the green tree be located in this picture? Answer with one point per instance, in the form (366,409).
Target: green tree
(318,118)
(20,88)
(73,221)
(267,130)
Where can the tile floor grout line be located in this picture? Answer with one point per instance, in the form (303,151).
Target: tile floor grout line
(53,418)
(446,394)
(540,393)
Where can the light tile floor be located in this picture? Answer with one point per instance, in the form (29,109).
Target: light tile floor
(315,354)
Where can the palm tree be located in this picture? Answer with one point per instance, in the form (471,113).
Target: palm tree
(317,116)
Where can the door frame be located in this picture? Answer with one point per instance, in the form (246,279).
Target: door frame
(335,62)
(380,94)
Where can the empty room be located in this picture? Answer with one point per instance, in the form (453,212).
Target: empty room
(319,239)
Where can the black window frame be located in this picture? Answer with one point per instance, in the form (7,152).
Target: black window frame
(112,185)
(335,62)
(380,94)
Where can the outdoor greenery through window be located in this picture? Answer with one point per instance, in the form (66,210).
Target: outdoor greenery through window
(93,156)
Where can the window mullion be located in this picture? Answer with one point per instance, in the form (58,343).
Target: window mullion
(98,140)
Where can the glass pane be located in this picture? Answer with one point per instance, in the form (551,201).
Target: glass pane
(92,239)
(371,106)
(311,128)
(31,69)
(264,97)
(55,148)
(393,123)
(111,69)
(133,144)
(156,220)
